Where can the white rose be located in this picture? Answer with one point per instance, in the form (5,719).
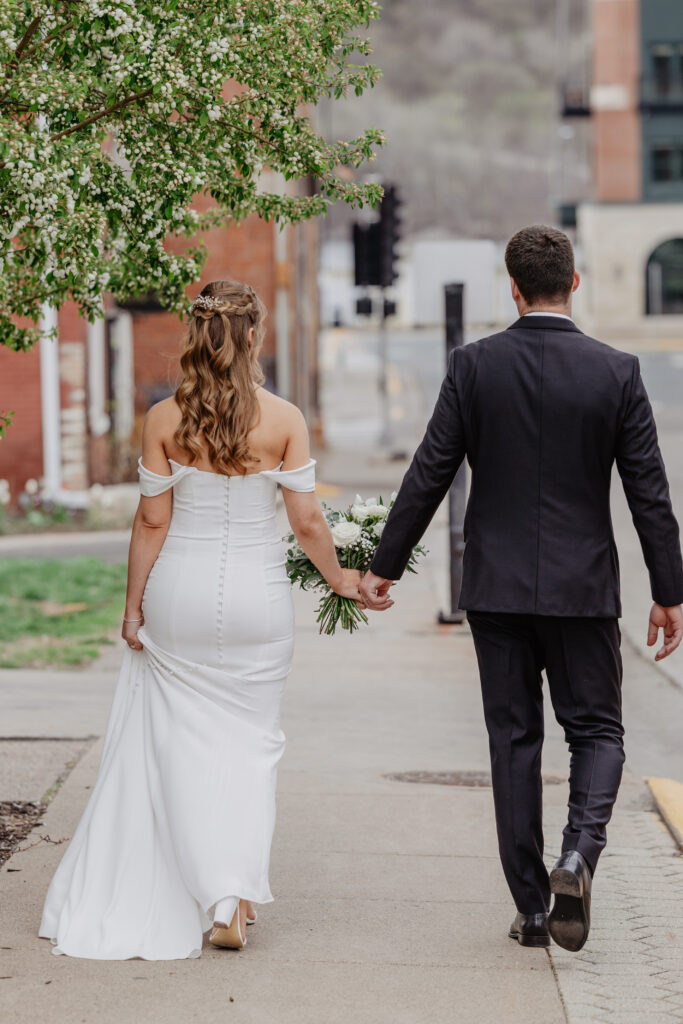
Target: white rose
(376,511)
(359,512)
(344,533)
(378,529)
(362,510)
(31,486)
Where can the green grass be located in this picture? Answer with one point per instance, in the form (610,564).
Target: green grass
(38,629)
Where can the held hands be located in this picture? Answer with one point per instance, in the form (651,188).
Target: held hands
(348,586)
(670,621)
(375,592)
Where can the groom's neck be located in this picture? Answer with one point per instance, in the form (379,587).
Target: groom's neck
(554,305)
(545,307)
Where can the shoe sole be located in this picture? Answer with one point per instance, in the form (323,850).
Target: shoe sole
(228,937)
(567,922)
(537,941)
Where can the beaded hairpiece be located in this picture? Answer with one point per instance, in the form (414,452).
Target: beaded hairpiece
(207,302)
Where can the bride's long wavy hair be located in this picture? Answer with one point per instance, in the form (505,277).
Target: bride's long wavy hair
(217,396)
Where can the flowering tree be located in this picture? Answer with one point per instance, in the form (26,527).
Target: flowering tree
(115,113)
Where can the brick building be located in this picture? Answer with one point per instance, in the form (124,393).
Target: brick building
(79,402)
(631,232)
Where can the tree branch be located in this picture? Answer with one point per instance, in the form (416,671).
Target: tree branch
(26,39)
(102,113)
(28,35)
(48,38)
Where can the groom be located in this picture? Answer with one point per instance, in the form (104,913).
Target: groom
(541,411)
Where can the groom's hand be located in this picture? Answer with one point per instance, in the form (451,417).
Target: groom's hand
(670,621)
(375,592)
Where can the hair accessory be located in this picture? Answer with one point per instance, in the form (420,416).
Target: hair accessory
(207,302)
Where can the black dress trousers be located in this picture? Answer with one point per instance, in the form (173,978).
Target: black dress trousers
(582,659)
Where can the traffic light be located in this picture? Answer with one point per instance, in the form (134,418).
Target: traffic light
(366,253)
(390,235)
(374,245)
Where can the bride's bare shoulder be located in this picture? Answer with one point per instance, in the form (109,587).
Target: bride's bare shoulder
(164,407)
(164,412)
(279,409)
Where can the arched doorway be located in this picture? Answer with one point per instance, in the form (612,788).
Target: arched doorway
(664,280)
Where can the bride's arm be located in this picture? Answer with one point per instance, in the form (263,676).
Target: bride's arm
(307,520)
(150,526)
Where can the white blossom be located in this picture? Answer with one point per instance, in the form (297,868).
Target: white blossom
(104,194)
(345,533)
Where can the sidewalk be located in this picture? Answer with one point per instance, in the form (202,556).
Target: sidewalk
(390,903)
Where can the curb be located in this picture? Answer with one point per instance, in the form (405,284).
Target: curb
(51,538)
(668,796)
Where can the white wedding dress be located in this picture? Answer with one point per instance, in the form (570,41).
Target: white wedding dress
(183,809)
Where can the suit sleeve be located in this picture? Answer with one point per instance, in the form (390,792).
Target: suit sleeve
(640,465)
(426,482)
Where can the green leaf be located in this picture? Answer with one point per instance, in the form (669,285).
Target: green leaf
(174,156)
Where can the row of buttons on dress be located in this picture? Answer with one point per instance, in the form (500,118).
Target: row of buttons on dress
(221,572)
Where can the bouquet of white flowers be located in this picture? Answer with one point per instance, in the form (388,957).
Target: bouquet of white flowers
(356,533)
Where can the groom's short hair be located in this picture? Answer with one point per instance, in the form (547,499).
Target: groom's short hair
(541,260)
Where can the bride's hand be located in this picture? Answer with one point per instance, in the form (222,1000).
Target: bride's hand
(349,586)
(129,632)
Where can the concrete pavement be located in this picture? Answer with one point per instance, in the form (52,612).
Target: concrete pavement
(390,902)
(390,905)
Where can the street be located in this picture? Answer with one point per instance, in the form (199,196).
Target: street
(390,903)
(653,695)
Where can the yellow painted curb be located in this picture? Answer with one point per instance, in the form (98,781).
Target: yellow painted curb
(327,490)
(668,795)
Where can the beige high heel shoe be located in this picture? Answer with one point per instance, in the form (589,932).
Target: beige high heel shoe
(228,936)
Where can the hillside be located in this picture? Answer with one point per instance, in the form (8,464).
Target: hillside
(469,102)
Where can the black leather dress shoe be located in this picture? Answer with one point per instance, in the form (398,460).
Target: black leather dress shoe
(530,930)
(570,918)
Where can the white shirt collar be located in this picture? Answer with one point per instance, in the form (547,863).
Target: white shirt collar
(541,313)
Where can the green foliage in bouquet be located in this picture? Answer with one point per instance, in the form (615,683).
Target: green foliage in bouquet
(356,533)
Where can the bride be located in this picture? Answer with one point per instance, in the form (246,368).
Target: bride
(177,831)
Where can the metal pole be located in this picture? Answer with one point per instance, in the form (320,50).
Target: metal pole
(457,494)
(386,434)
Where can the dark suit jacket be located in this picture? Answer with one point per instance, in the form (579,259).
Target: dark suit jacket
(542,412)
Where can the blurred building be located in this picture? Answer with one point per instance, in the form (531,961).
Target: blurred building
(631,233)
(79,402)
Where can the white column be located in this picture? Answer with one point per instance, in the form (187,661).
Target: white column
(282,353)
(122,343)
(49,404)
(98,417)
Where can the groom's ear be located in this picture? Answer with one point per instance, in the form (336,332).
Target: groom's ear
(516,294)
(577,280)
